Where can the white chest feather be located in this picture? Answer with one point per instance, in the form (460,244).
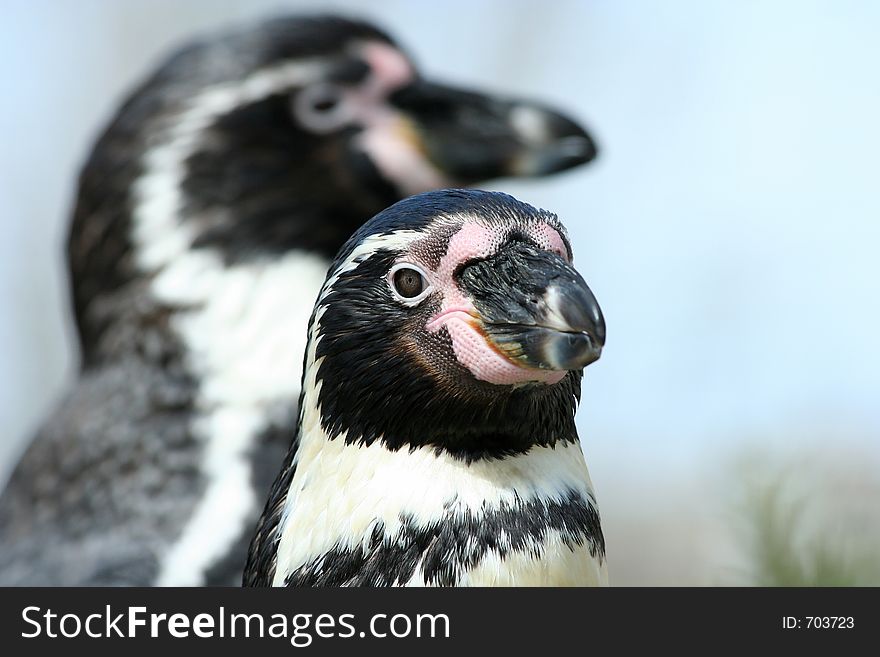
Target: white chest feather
(341,493)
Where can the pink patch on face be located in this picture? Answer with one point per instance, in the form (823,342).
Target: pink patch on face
(459,316)
(552,240)
(387,137)
(390,69)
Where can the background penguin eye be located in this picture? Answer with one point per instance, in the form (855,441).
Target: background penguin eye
(408,283)
(325,103)
(321,108)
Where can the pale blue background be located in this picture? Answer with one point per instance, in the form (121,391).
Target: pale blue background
(730,229)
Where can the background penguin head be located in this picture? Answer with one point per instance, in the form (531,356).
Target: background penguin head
(328,120)
(454,319)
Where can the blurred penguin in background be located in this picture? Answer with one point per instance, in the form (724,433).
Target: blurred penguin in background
(206,217)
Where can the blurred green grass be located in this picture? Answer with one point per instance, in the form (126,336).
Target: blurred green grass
(807,522)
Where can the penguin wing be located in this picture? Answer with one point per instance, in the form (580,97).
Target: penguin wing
(105,485)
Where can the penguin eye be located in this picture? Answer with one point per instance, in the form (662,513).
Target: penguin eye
(409,283)
(324,103)
(321,108)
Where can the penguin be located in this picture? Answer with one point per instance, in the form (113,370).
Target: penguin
(205,220)
(436,442)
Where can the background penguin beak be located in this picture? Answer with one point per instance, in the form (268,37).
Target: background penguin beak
(474,137)
(536,308)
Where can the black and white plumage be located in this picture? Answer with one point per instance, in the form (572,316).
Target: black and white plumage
(205,219)
(436,443)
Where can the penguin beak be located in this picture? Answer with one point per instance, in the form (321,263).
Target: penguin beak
(535,308)
(474,137)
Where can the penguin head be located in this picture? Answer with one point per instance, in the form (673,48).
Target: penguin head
(418,134)
(306,126)
(454,318)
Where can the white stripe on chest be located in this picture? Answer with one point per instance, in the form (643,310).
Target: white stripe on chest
(244,340)
(340,492)
(245,333)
